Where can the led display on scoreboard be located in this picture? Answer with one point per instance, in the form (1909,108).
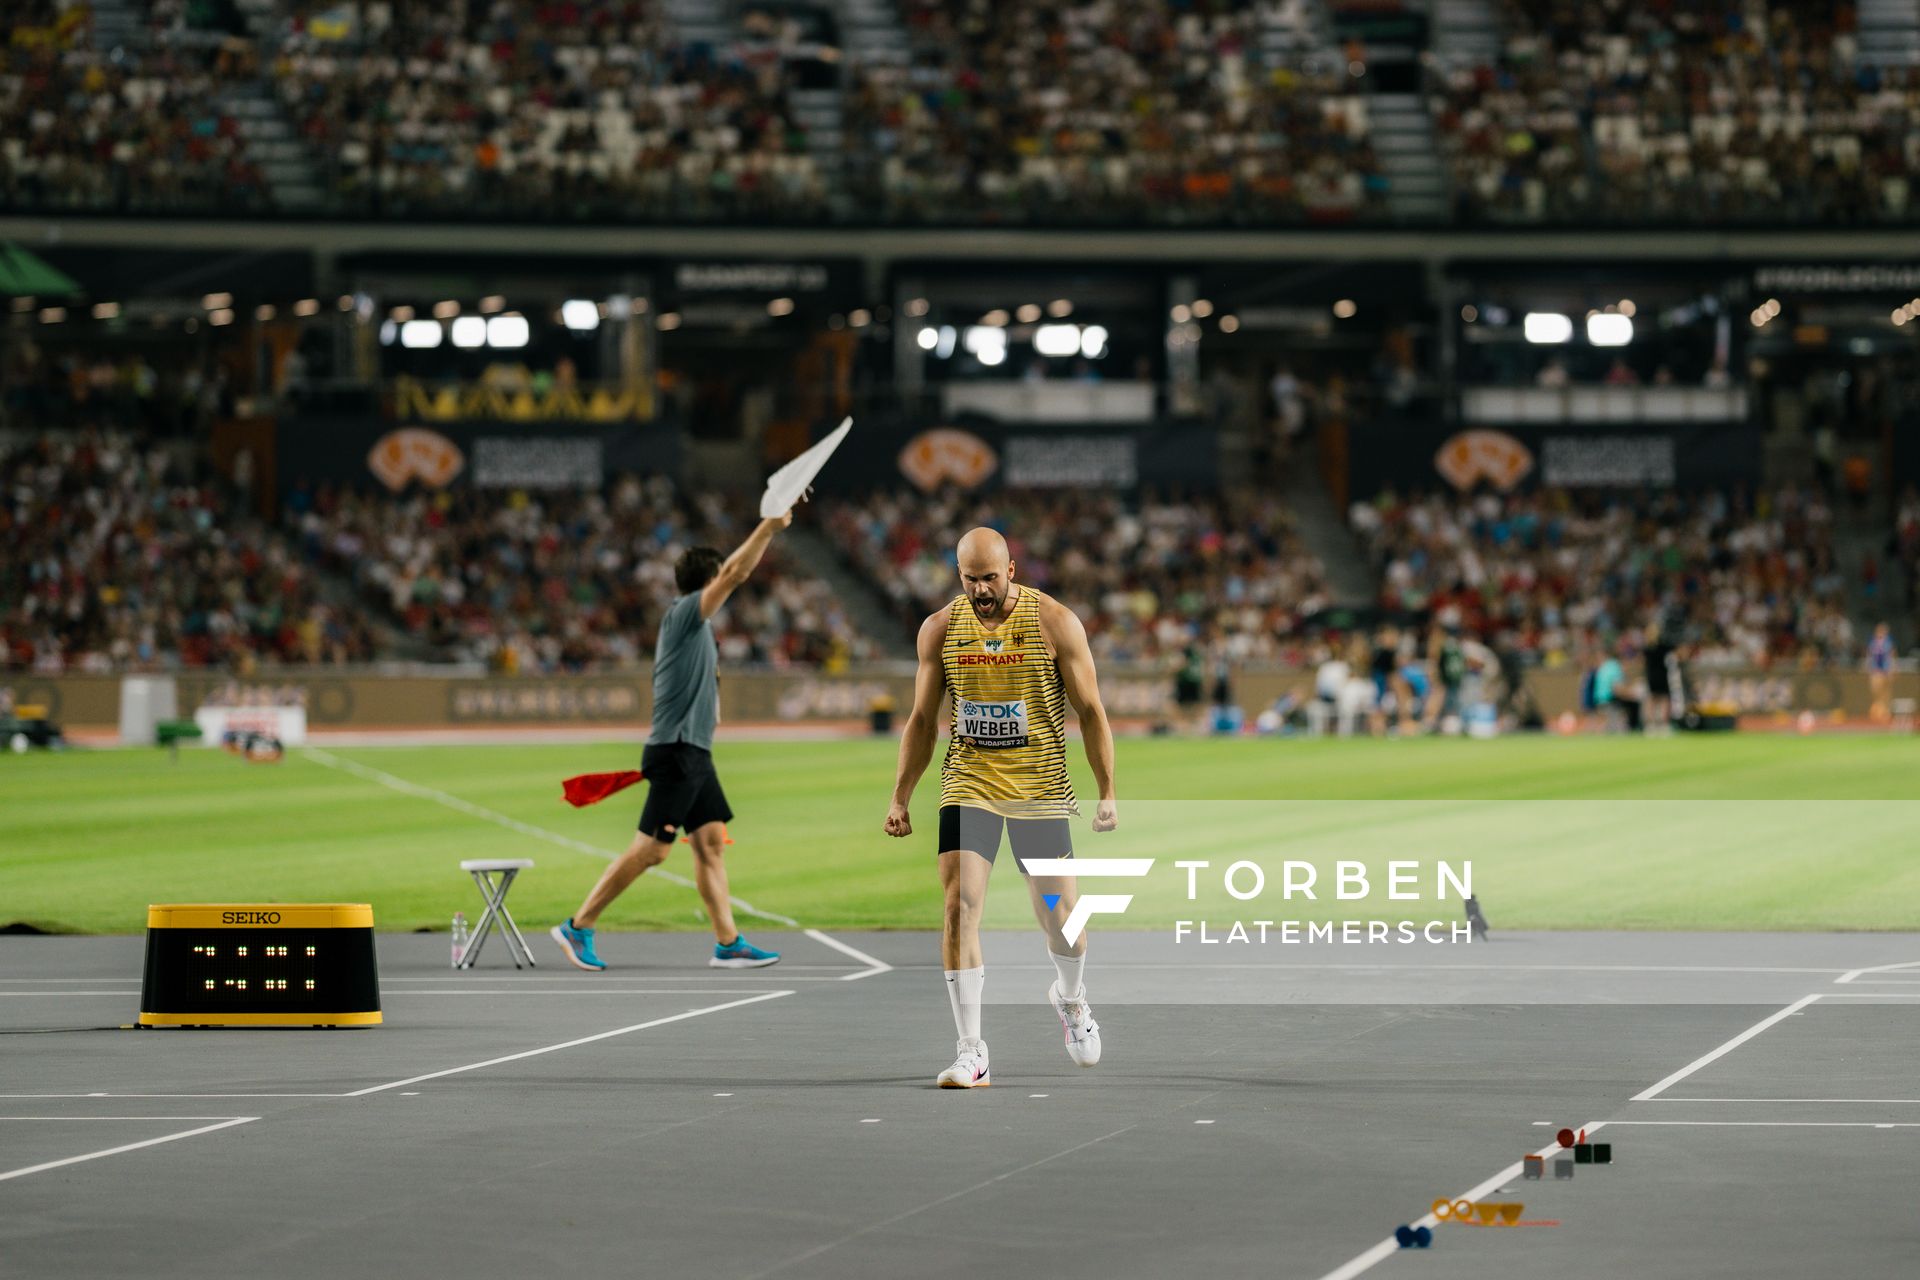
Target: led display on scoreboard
(260,964)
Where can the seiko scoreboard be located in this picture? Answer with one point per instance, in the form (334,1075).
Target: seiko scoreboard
(260,965)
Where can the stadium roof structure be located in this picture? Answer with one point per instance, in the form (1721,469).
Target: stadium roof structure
(22,274)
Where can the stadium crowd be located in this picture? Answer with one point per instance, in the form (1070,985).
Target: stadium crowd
(1729,110)
(119,558)
(85,128)
(560,582)
(1552,575)
(1003,112)
(1006,112)
(1147,578)
(1017,112)
(579,108)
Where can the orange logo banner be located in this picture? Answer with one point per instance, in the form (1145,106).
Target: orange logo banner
(1493,456)
(946,455)
(414,453)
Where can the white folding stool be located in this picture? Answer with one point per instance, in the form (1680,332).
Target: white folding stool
(495,893)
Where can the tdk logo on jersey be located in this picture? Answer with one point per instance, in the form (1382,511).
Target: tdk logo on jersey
(993,724)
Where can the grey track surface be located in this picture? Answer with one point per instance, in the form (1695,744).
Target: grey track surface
(1261,1111)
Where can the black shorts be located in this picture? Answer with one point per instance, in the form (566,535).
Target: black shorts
(965,827)
(683,791)
(1659,684)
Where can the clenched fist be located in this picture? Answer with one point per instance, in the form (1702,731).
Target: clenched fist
(1106,815)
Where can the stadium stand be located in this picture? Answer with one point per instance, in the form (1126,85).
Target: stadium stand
(1021,113)
(1719,112)
(992,112)
(1547,573)
(118,558)
(84,129)
(600,109)
(1146,578)
(121,557)
(586,108)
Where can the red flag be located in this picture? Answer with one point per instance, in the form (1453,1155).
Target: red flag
(592,788)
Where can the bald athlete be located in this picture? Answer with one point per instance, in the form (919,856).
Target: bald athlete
(1012,658)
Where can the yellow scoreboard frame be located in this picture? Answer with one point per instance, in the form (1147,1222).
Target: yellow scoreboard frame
(260,964)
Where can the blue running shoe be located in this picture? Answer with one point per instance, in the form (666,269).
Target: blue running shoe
(578,944)
(741,954)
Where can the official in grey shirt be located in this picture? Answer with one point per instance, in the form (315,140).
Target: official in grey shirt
(684,797)
(686,693)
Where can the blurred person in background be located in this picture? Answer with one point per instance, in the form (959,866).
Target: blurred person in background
(1880,673)
(1656,657)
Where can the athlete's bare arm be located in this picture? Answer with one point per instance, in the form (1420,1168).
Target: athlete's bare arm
(923,722)
(1068,639)
(739,566)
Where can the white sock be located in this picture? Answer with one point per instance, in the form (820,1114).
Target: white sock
(1069,968)
(963,992)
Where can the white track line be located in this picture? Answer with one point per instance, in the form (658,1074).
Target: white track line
(623,975)
(131,1146)
(450,801)
(119,1117)
(1779,1124)
(602,991)
(1418,967)
(395,783)
(568,1044)
(1389,1246)
(97,1096)
(1648,1094)
(1784,1100)
(1193,965)
(873,966)
(1853,975)
(503,991)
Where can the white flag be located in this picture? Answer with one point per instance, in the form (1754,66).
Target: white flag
(789,484)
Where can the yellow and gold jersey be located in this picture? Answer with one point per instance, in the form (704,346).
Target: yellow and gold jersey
(1008,750)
